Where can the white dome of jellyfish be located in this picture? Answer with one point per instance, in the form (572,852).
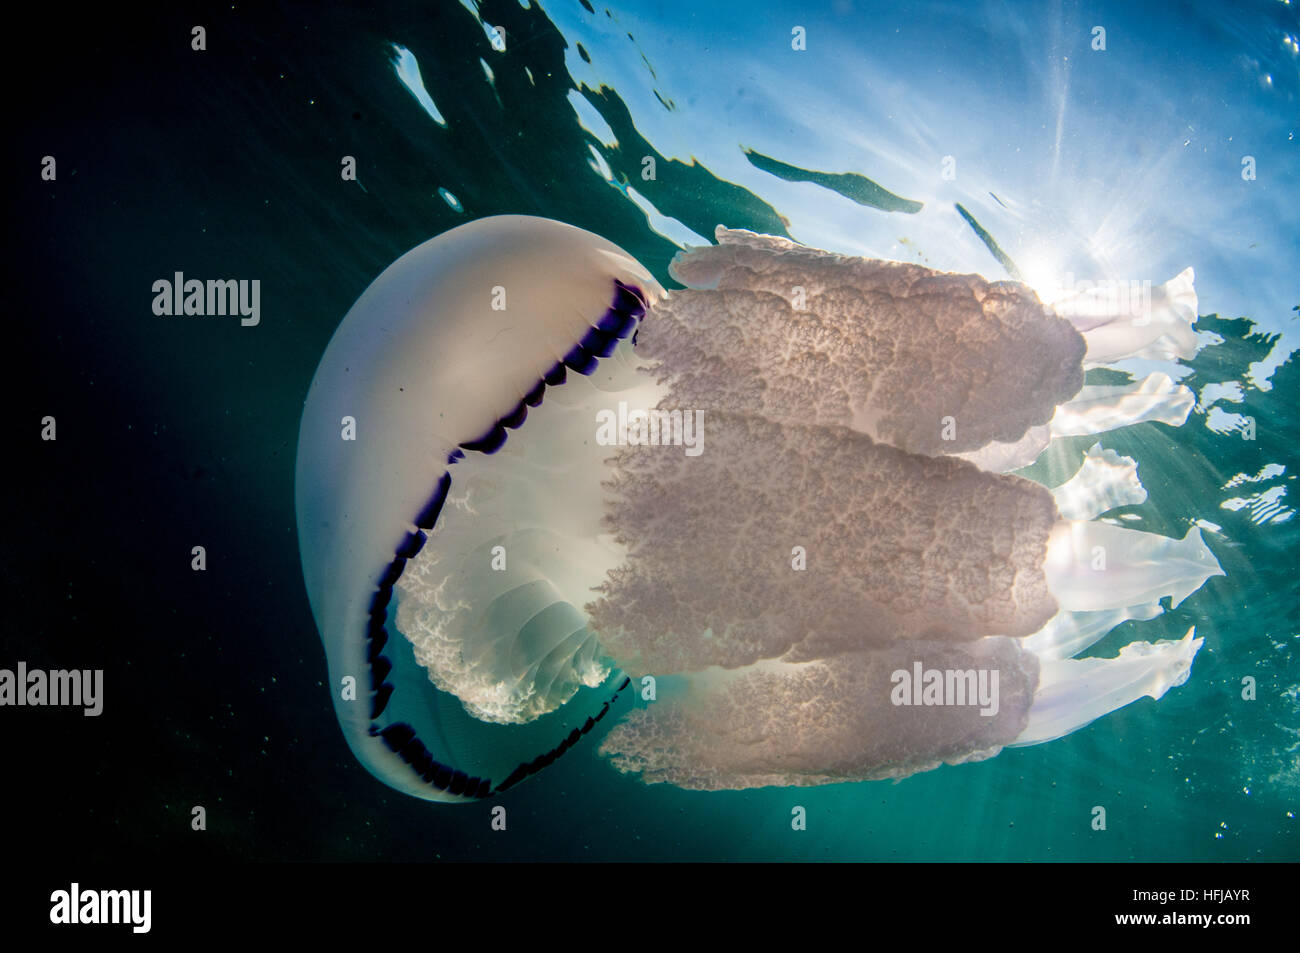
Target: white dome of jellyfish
(527,475)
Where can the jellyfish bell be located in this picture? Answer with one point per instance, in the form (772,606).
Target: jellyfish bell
(462,341)
(486,567)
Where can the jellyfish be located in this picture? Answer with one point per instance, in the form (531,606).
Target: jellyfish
(527,475)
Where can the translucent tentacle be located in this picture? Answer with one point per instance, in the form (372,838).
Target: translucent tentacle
(1069,633)
(1073,692)
(1120,320)
(1105,481)
(1097,409)
(1092,566)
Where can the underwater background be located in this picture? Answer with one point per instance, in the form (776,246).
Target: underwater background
(1126,161)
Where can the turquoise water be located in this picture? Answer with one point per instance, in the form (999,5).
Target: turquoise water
(1125,162)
